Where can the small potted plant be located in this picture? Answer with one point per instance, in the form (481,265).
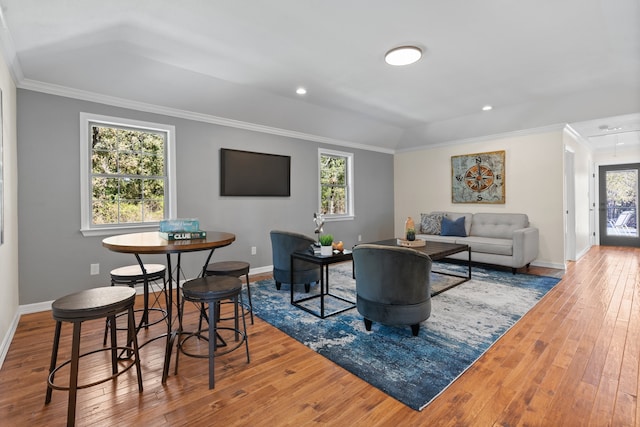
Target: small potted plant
(410,229)
(326,241)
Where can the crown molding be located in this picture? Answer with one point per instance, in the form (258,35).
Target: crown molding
(68,92)
(581,140)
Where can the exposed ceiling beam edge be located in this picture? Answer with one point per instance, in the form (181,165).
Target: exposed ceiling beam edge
(511,134)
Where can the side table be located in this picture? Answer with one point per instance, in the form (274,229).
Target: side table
(323,261)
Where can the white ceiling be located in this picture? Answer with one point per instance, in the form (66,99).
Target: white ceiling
(539,63)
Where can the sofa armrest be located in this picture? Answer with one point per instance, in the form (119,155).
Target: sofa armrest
(525,246)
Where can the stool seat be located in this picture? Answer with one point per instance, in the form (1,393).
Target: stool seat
(236,269)
(228,268)
(134,272)
(132,275)
(93,303)
(85,305)
(212,290)
(206,289)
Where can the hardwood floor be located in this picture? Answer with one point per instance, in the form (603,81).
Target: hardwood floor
(572,360)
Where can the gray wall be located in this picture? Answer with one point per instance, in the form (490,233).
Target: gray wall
(54,256)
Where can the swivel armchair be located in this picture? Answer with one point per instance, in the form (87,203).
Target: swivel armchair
(392,285)
(283,243)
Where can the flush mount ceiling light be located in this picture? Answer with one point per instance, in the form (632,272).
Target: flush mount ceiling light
(487,108)
(301,91)
(403,55)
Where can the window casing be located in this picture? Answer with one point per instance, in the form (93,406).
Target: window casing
(336,184)
(127,174)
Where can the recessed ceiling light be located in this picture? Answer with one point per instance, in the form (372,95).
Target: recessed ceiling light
(487,108)
(607,128)
(403,55)
(301,91)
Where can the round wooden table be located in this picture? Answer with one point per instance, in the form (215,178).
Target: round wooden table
(150,243)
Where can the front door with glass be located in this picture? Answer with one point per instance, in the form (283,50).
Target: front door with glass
(618,194)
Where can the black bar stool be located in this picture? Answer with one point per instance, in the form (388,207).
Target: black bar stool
(88,305)
(235,269)
(132,275)
(212,290)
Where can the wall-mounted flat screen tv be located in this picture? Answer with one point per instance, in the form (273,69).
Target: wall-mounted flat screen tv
(246,173)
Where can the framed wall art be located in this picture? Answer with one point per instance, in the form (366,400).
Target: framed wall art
(478,178)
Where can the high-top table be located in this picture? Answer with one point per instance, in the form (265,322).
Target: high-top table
(150,243)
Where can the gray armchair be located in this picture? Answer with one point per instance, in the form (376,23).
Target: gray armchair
(392,285)
(283,243)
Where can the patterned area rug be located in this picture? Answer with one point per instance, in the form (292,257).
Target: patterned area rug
(465,321)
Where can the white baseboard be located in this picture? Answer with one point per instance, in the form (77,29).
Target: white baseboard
(549,265)
(6,341)
(46,306)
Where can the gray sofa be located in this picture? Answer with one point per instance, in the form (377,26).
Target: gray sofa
(504,239)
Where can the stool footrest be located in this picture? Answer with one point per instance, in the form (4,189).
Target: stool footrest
(63,364)
(227,348)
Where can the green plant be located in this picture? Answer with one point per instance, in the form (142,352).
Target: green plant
(325,239)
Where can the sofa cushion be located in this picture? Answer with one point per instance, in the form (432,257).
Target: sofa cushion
(437,238)
(500,225)
(455,215)
(489,245)
(453,227)
(431,223)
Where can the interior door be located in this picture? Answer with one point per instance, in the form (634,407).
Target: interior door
(618,196)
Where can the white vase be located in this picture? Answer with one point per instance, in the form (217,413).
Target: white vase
(326,250)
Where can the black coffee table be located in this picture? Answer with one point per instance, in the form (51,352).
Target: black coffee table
(438,251)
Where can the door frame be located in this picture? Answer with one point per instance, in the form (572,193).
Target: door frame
(569,205)
(603,239)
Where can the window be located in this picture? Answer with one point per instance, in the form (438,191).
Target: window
(336,184)
(127,173)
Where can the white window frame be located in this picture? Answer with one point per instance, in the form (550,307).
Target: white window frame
(349,181)
(86,119)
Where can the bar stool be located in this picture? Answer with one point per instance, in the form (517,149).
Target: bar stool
(212,290)
(88,305)
(132,275)
(235,269)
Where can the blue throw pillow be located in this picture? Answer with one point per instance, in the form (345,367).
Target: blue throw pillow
(453,228)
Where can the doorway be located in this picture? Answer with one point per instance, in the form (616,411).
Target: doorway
(618,195)
(570,203)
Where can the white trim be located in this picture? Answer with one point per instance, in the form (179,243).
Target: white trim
(350,188)
(261,270)
(111,231)
(6,340)
(10,57)
(579,138)
(35,307)
(189,115)
(85,160)
(46,305)
(547,264)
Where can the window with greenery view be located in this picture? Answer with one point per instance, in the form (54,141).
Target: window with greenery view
(127,173)
(336,189)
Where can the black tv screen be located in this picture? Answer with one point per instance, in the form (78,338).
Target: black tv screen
(245,173)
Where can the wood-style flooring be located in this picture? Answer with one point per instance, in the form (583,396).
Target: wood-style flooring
(573,360)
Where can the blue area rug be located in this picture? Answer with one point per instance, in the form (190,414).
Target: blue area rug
(465,321)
